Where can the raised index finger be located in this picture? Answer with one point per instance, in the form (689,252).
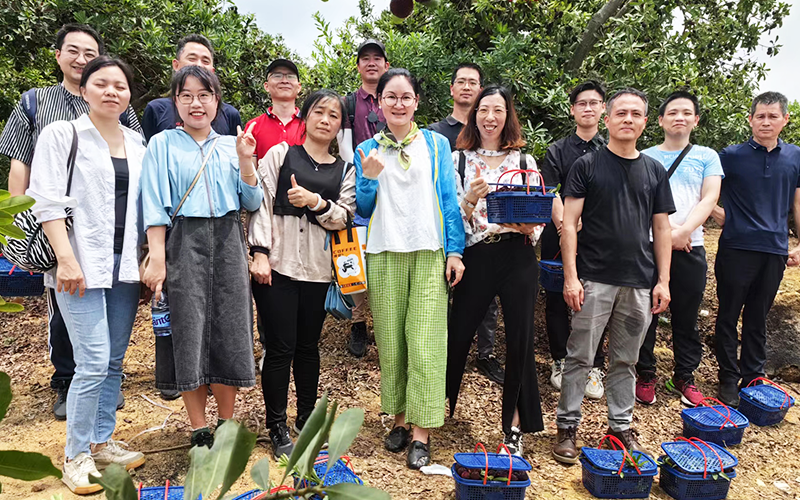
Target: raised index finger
(361,154)
(250,128)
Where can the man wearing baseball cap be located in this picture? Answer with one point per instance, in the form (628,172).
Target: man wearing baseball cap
(281,122)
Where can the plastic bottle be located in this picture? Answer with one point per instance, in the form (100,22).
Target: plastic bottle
(159,308)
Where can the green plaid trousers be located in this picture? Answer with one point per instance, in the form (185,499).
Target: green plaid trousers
(408,295)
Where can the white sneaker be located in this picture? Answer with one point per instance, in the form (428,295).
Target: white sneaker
(77,472)
(114,452)
(556,371)
(594,384)
(513,441)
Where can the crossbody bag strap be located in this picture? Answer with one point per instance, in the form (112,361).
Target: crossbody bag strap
(678,160)
(196,178)
(73,153)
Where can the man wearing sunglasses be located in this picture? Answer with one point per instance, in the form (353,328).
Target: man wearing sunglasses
(160,114)
(282,121)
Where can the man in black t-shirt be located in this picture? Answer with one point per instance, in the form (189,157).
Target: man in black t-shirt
(619,194)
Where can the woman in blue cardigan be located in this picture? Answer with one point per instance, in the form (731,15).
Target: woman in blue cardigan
(406,186)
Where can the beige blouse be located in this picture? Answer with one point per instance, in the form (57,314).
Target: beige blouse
(296,246)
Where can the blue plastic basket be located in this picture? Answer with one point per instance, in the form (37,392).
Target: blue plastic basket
(508,207)
(14,282)
(339,473)
(250,495)
(551,276)
(474,489)
(690,460)
(710,424)
(683,486)
(601,478)
(176,493)
(765,404)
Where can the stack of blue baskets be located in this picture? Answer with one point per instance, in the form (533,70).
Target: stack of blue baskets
(551,276)
(176,493)
(603,478)
(689,475)
(14,282)
(714,424)
(475,489)
(765,404)
(339,473)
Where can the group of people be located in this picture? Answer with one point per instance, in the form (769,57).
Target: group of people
(626,224)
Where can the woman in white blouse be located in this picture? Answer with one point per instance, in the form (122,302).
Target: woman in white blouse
(96,277)
(501,261)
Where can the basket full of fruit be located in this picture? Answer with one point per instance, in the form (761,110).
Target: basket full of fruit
(490,476)
(513,203)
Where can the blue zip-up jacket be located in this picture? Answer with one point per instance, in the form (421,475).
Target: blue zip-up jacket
(451,226)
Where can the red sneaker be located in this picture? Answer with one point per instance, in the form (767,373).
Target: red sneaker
(646,388)
(690,395)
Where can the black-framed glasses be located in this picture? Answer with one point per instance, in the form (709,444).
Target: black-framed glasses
(188,97)
(391,100)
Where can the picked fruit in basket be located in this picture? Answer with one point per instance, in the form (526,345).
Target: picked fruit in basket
(401,8)
(493,474)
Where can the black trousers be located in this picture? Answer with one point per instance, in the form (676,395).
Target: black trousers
(60,345)
(556,310)
(687,282)
(745,280)
(292,313)
(507,269)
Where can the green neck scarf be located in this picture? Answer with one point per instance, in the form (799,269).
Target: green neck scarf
(387,139)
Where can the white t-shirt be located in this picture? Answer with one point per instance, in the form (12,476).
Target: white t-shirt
(687,181)
(406,217)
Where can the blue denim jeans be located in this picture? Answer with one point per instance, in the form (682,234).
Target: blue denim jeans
(99,326)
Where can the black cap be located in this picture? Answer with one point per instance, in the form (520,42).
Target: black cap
(285,63)
(371,43)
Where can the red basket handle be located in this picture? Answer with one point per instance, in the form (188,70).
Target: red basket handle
(615,441)
(728,418)
(519,171)
(486,473)
(787,397)
(280,488)
(510,461)
(324,458)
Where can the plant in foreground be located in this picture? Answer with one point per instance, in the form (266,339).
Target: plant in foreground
(9,207)
(213,471)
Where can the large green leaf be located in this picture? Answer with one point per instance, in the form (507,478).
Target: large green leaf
(350,491)
(220,466)
(343,431)
(4,195)
(310,430)
(6,219)
(117,483)
(305,465)
(260,473)
(17,204)
(26,466)
(5,388)
(13,231)
(11,307)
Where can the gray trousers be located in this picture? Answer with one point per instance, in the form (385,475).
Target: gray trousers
(626,311)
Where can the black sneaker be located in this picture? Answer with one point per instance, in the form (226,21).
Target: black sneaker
(281,441)
(60,406)
(202,437)
(398,439)
(169,394)
(419,454)
(358,339)
(729,394)
(299,423)
(491,368)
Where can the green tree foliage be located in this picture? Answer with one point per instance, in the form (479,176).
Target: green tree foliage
(702,45)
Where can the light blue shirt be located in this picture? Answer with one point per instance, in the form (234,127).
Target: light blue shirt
(171,164)
(686,182)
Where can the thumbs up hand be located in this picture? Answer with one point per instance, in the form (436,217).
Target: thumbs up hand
(478,187)
(301,197)
(372,165)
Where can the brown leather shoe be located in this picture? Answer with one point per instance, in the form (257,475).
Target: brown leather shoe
(629,440)
(565,450)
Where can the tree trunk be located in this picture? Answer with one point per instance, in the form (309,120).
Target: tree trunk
(589,37)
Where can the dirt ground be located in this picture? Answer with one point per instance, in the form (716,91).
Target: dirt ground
(767,457)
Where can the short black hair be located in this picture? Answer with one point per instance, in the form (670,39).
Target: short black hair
(680,94)
(627,91)
(393,72)
(470,66)
(207,79)
(585,86)
(316,97)
(768,98)
(194,38)
(79,28)
(101,62)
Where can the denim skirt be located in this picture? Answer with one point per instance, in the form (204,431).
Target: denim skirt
(211,311)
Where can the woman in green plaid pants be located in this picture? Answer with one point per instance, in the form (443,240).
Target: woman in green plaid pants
(405,185)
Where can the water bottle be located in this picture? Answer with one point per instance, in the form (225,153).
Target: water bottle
(159,307)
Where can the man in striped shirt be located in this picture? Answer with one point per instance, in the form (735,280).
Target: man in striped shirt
(76,45)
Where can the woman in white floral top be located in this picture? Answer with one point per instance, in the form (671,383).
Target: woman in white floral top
(500,259)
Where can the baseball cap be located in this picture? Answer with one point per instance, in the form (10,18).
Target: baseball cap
(371,43)
(285,63)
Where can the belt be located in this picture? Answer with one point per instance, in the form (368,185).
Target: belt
(496,238)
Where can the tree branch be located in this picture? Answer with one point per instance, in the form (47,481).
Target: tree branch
(589,37)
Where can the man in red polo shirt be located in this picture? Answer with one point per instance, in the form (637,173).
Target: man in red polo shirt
(281,122)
